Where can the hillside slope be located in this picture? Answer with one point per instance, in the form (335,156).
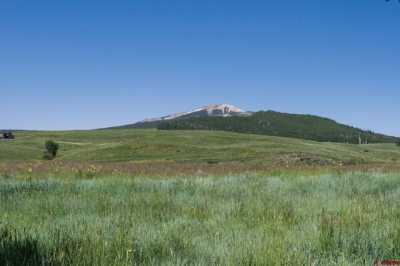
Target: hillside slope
(278,124)
(152,145)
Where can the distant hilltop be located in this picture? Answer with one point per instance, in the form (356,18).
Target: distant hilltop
(227,117)
(219,110)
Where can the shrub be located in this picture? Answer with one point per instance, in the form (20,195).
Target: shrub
(398,143)
(51,150)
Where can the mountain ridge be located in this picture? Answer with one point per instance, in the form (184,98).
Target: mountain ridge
(223,110)
(226,117)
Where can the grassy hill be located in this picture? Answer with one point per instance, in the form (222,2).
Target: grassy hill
(143,145)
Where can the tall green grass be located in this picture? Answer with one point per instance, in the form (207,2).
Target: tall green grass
(350,219)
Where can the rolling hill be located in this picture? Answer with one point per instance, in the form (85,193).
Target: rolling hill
(151,145)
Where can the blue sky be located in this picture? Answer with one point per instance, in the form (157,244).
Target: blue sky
(88,64)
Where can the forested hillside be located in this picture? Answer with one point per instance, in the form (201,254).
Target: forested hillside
(280,124)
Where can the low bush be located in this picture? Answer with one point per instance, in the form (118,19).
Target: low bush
(51,150)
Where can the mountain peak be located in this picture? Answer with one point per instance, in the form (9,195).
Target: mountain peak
(209,110)
(220,109)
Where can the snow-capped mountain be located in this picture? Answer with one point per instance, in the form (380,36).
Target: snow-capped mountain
(223,110)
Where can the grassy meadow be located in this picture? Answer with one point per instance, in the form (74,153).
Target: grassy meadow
(150,145)
(331,219)
(148,197)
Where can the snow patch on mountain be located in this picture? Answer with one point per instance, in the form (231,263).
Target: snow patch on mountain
(223,110)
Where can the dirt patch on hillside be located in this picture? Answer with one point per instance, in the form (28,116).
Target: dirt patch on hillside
(304,159)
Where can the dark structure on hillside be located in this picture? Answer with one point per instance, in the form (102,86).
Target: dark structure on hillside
(8,135)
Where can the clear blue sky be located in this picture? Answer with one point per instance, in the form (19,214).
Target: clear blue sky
(87,64)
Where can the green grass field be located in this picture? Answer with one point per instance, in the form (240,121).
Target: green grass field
(349,219)
(146,197)
(189,146)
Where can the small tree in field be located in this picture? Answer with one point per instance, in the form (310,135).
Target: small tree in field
(51,150)
(398,143)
